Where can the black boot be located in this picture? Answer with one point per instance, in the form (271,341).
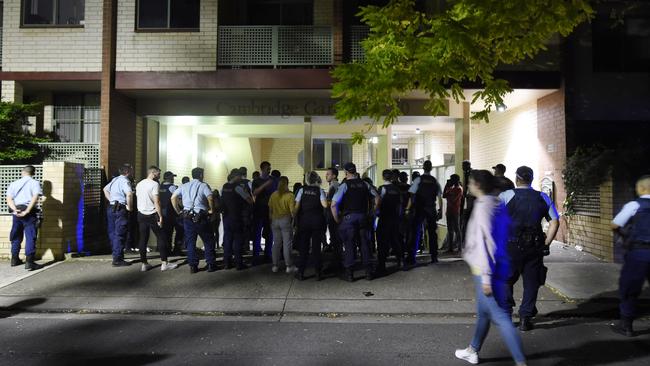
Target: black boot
(300,275)
(348,275)
(319,274)
(370,275)
(30,265)
(211,267)
(624,327)
(526,324)
(15,261)
(194,269)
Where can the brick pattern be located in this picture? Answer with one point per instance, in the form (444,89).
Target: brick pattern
(166,51)
(551,131)
(509,138)
(59,232)
(436,144)
(283,156)
(594,233)
(52,49)
(12,91)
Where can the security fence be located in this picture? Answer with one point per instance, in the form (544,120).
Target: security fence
(87,154)
(275,46)
(11,173)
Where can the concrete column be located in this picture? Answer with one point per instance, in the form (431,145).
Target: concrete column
(12,91)
(462,139)
(48,119)
(384,151)
(308,157)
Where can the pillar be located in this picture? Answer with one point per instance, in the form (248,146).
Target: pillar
(308,157)
(12,91)
(462,139)
(385,151)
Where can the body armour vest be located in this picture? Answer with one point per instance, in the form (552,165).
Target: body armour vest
(391,203)
(233,204)
(527,209)
(165,197)
(355,199)
(640,231)
(425,197)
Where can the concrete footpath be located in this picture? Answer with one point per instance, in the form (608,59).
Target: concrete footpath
(577,285)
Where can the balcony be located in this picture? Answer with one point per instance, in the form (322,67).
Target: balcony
(275,46)
(76,124)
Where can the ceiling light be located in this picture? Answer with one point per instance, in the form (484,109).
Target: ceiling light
(501,107)
(417,131)
(394,136)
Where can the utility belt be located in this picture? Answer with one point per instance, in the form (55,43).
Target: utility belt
(196,217)
(116,206)
(528,240)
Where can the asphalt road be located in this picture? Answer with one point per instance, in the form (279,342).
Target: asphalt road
(71,339)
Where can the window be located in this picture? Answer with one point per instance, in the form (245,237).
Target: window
(53,12)
(168,14)
(327,153)
(266,12)
(621,47)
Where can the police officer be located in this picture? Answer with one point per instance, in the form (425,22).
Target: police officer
(247,185)
(171,221)
(262,187)
(528,245)
(390,213)
(119,194)
(635,219)
(22,196)
(405,221)
(236,203)
(352,202)
(425,191)
(332,178)
(197,208)
(310,202)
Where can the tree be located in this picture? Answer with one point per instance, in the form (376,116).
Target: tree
(464,41)
(16,144)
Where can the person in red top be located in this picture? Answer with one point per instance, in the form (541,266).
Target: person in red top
(453,193)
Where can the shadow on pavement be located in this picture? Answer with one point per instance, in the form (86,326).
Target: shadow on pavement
(20,306)
(601,306)
(124,359)
(596,353)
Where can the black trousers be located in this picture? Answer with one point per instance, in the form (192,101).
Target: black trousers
(146,223)
(453,232)
(389,237)
(530,267)
(425,220)
(311,232)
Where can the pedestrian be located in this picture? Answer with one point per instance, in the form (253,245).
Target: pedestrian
(150,218)
(453,194)
(528,244)
(256,175)
(486,253)
(119,194)
(310,204)
(425,192)
(237,202)
(350,210)
(198,205)
(263,187)
(332,178)
(635,218)
(503,183)
(22,198)
(171,221)
(389,211)
(281,209)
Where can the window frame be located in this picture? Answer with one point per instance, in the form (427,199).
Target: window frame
(327,152)
(137,28)
(55,7)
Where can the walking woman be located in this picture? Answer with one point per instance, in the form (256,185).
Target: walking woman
(281,210)
(310,204)
(486,254)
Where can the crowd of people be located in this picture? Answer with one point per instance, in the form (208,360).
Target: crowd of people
(495,223)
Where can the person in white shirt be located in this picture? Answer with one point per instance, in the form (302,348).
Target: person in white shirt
(22,196)
(150,218)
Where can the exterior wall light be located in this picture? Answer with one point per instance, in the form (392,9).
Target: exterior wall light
(501,107)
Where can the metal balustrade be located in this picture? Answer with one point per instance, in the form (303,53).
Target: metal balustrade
(10,173)
(275,46)
(87,154)
(0,47)
(357,34)
(76,124)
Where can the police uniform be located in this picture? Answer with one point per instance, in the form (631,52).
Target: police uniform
(171,221)
(635,216)
(194,195)
(22,192)
(311,226)
(388,226)
(249,233)
(527,207)
(261,219)
(235,207)
(352,202)
(425,190)
(118,217)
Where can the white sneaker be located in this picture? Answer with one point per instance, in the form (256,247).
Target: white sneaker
(274,269)
(168,266)
(468,354)
(291,269)
(145,267)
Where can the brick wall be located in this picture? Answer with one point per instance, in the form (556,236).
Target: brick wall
(118,130)
(436,144)
(12,91)
(166,51)
(52,49)
(594,233)
(509,138)
(283,156)
(551,131)
(62,227)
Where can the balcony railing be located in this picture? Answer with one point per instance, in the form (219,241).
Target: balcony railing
(357,34)
(275,46)
(76,124)
(0,47)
